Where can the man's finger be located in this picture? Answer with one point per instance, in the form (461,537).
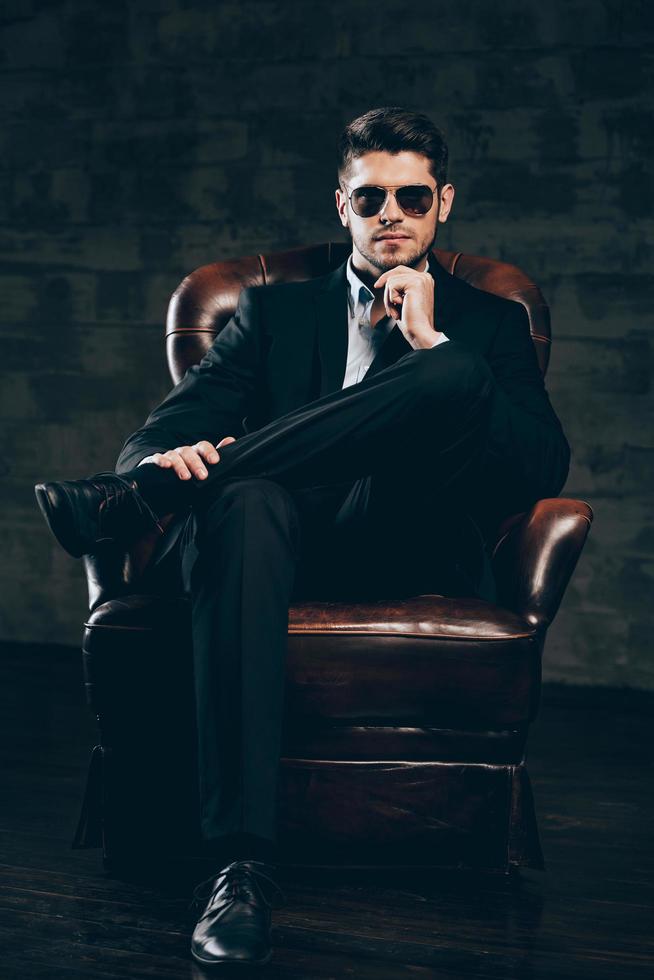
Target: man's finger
(207,451)
(393,307)
(193,461)
(392,272)
(179,466)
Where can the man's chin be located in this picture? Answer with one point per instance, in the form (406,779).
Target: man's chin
(389,257)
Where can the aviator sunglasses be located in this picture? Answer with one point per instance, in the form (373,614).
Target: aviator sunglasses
(413,199)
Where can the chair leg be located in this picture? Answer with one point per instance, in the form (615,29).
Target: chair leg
(89,832)
(524,848)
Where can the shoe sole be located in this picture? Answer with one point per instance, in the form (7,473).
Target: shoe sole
(59,518)
(245,963)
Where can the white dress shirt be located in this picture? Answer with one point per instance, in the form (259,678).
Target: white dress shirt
(363,340)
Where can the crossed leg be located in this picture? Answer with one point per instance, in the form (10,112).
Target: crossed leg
(428,411)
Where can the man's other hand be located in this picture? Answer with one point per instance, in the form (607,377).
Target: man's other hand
(189,461)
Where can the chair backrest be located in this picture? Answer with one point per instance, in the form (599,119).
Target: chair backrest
(206,299)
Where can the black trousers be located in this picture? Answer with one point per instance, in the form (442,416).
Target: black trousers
(361,493)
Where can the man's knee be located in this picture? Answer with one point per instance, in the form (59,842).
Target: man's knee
(452,370)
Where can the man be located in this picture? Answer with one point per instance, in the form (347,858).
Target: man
(395,415)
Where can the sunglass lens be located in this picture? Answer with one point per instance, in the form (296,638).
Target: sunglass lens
(367,201)
(415,199)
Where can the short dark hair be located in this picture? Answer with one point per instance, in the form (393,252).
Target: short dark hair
(394,130)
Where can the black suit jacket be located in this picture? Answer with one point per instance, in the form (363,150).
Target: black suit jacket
(286,345)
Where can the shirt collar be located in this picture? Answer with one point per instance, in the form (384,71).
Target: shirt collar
(359,295)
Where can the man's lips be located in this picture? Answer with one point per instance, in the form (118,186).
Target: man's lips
(392,238)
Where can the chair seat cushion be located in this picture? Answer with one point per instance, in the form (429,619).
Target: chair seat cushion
(424,615)
(424,660)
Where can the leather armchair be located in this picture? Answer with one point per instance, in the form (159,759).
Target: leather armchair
(405,721)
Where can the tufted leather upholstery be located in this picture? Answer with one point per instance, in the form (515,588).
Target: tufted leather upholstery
(406,721)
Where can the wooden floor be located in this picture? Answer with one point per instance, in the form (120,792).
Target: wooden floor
(588,915)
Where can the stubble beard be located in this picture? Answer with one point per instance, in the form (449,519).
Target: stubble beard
(412,260)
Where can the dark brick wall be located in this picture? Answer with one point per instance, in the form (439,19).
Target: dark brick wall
(128,131)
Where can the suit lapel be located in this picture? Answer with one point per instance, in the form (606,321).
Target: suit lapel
(331,314)
(444,294)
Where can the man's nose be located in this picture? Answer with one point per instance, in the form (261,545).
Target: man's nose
(391,210)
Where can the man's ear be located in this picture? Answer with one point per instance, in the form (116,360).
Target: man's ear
(341,206)
(447,199)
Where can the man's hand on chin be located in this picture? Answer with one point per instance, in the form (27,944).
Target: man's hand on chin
(409,299)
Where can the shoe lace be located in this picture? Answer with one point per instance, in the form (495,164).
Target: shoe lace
(233,876)
(115,493)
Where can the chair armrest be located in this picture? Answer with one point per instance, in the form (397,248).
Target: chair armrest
(113,571)
(536,554)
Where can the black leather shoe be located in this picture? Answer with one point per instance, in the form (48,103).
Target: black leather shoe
(80,513)
(235,924)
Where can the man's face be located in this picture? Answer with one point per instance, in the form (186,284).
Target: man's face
(391,237)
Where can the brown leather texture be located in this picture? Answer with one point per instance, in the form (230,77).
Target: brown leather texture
(424,814)
(535,557)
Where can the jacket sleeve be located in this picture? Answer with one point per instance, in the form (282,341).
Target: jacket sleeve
(525,434)
(214,395)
